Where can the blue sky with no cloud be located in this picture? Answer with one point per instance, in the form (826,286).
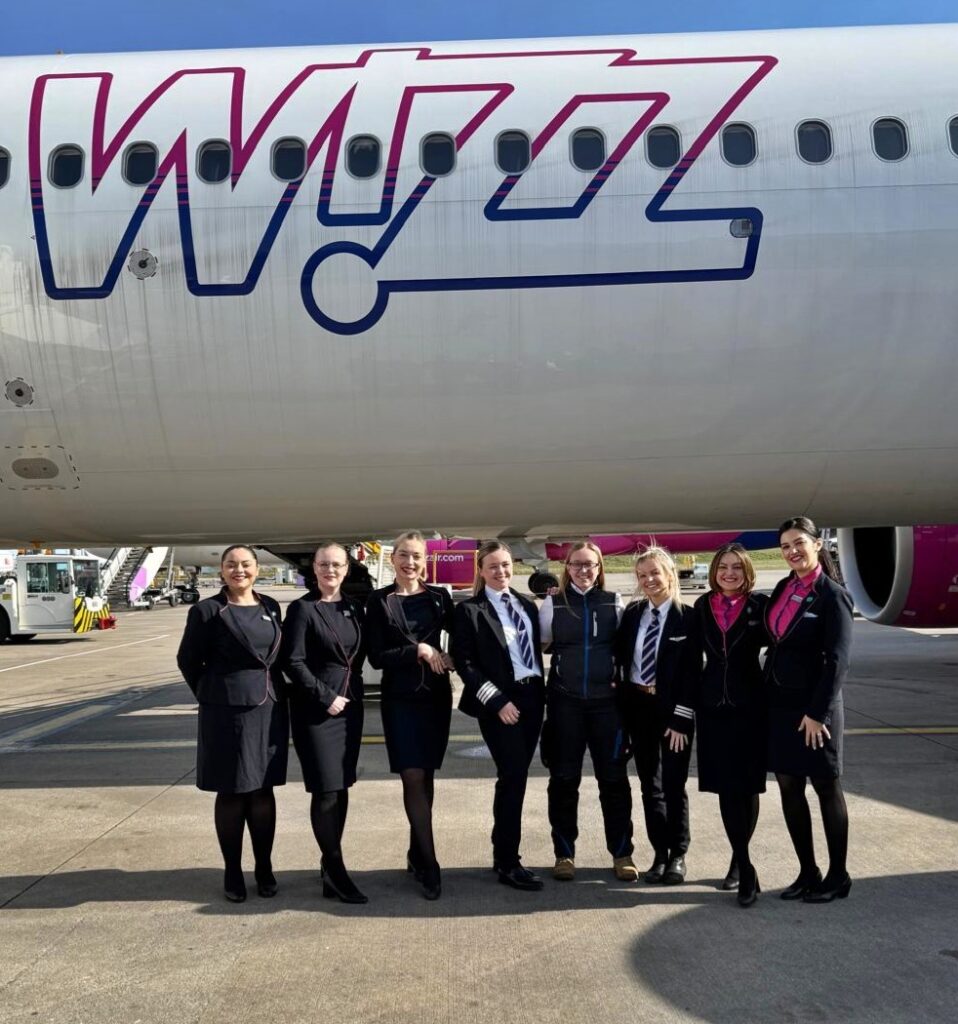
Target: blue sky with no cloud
(111,25)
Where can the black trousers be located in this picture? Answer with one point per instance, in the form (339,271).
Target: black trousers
(512,748)
(575,725)
(662,773)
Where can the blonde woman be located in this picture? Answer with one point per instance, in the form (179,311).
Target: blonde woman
(495,643)
(579,626)
(404,626)
(650,652)
(724,689)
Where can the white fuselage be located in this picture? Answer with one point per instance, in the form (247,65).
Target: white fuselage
(551,351)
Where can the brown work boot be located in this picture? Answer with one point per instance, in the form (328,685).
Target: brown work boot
(625,869)
(564,870)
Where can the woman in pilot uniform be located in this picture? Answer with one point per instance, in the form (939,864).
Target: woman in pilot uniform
(809,624)
(322,655)
(650,654)
(495,645)
(724,690)
(229,658)
(404,626)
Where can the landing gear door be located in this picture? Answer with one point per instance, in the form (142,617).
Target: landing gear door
(48,601)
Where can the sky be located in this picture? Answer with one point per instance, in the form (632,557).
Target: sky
(74,26)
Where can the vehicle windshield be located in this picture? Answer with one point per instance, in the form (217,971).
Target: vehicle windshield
(87,575)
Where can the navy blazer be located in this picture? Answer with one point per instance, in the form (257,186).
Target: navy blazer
(723,670)
(317,665)
(805,669)
(481,653)
(392,647)
(218,662)
(669,659)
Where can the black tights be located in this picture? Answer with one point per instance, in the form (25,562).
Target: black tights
(417,795)
(798,818)
(327,813)
(739,816)
(257,811)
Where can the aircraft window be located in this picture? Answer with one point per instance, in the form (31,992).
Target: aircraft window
(953,134)
(512,152)
(438,154)
(289,159)
(140,162)
(890,139)
(214,162)
(663,147)
(362,156)
(814,141)
(66,166)
(738,144)
(588,149)
(4,167)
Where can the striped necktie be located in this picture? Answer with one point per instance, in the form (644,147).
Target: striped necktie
(647,664)
(522,634)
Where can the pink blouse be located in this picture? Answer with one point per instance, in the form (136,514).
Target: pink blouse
(789,604)
(726,610)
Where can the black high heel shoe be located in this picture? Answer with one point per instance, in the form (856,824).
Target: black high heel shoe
(803,884)
(412,868)
(234,887)
(731,880)
(431,882)
(748,887)
(830,889)
(266,883)
(338,885)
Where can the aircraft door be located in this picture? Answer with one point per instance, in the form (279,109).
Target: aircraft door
(48,602)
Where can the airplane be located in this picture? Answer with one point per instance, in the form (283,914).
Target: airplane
(525,288)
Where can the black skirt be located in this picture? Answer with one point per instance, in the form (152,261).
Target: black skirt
(417,731)
(731,746)
(787,752)
(327,745)
(242,749)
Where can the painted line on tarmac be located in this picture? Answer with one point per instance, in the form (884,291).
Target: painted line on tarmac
(29,735)
(80,654)
(905,730)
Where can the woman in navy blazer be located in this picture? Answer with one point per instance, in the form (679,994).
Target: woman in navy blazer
(650,660)
(495,645)
(228,657)
(323,652)
(724,690)
(809,623)
(404,626)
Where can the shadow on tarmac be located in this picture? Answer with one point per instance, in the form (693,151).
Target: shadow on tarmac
(887,953)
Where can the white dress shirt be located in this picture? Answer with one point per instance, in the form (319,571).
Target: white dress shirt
(519,667)
(644,623)
(546,611)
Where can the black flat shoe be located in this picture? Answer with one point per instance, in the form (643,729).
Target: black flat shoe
(675,872)
(266,884)
(748,888)
(234,887)
(830,889)
(801,885)
(520,878)
(656,873)
(731,880)
(431,882)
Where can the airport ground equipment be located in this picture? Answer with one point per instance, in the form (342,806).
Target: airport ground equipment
(52,594)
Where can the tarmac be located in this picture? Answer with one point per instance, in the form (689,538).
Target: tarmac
(111,906)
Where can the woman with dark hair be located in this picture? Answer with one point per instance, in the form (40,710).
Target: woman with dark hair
(495,645)
(228,657)
(404,626)
(723,688)
(323,652)
(578,625)
(809,623)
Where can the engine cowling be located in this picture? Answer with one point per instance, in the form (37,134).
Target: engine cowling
(902,575)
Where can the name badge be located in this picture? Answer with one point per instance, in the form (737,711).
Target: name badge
(266,618)
(797,598)
(347,614)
